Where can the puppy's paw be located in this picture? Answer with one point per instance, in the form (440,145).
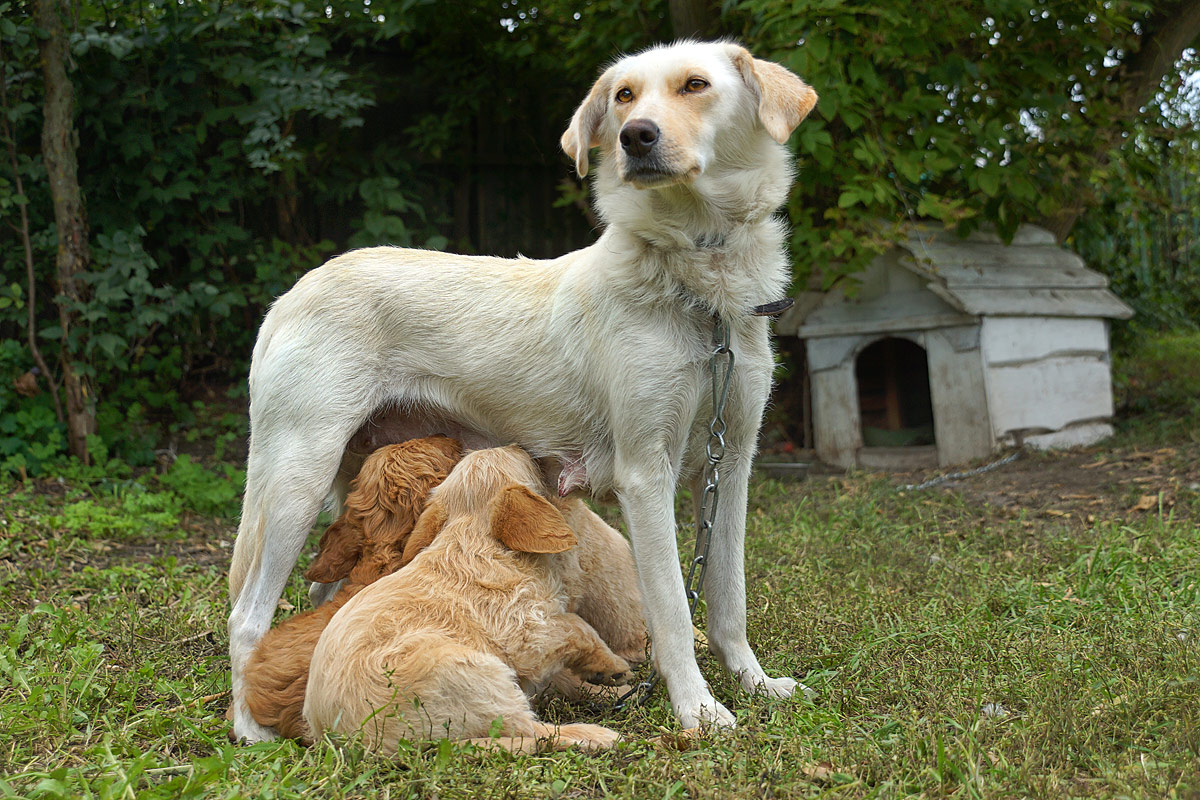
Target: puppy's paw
(595,693)
(705,714)
(589,738)
(619,678)
(606,669)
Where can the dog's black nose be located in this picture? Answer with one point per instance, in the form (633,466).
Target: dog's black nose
(638,137)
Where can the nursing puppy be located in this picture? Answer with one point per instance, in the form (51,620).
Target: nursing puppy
(369,540)
(454,645)
(597,359)
(374,537)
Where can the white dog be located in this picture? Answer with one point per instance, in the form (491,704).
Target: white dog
(597,359)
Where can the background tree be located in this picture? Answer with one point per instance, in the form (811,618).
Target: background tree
(226,148)
(70,219)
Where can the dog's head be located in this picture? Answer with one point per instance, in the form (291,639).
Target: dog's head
(661,115)
(506,487)
(369,539)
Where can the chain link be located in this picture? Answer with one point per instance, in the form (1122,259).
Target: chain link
(721,368)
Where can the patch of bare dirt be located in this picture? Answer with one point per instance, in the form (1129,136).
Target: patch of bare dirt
(1084,486)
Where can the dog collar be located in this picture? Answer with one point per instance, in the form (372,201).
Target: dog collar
(765,310)
(772,309)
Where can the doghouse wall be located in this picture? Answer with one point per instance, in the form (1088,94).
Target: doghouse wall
(1047,374)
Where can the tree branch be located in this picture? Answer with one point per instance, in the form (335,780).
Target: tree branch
(1168,33)
(1171,31)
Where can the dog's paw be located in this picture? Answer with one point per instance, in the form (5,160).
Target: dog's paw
(773,687)
(706,714)
(247,731)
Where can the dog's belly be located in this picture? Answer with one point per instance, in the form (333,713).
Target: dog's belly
(563,467)
(395,425)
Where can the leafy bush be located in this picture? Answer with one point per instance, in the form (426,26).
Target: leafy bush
(1145,233)
(137,513)
(208,492)
(1159,373)
(30,433)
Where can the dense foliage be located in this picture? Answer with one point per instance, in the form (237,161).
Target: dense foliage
(226,147)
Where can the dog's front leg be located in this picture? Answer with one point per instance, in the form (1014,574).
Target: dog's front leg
(646,493)
(725,578)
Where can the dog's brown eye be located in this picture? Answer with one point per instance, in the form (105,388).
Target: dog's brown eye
(624,96)
(695,85)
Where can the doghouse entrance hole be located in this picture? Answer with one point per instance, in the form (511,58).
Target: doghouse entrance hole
(893,394)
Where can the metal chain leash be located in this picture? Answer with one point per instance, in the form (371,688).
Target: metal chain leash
(970,473)
(721,367)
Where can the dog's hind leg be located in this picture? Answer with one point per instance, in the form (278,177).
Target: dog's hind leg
(320,593)
(285,486)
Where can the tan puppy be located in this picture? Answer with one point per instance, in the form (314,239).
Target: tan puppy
(365,543)
(454,645)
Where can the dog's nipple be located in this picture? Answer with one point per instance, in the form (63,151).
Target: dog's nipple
(572,476)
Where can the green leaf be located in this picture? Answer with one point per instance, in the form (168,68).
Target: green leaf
(989,183)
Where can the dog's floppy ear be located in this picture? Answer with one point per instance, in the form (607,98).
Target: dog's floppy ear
(783,99)
(399,491)
(341,548)
(429,524)
(583,132)
(528,523)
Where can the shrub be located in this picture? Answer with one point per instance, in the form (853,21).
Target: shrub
(202,490)
(1159,373)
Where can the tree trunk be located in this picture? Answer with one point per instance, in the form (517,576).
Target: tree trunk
(692,18)
(58,152)
(1168,33)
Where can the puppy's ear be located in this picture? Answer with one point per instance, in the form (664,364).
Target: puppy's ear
(429,524)
(783,99)
(405,483)
(584,131)
(341,548)
(528,523)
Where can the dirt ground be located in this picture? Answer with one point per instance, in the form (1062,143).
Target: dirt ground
(1081,486)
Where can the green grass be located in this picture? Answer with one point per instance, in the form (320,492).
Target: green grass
(956,650)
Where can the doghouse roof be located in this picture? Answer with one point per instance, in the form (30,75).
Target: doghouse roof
(932,278)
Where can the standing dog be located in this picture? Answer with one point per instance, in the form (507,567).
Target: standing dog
(597,359)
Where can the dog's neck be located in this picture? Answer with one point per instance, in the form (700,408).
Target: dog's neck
(716,240)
